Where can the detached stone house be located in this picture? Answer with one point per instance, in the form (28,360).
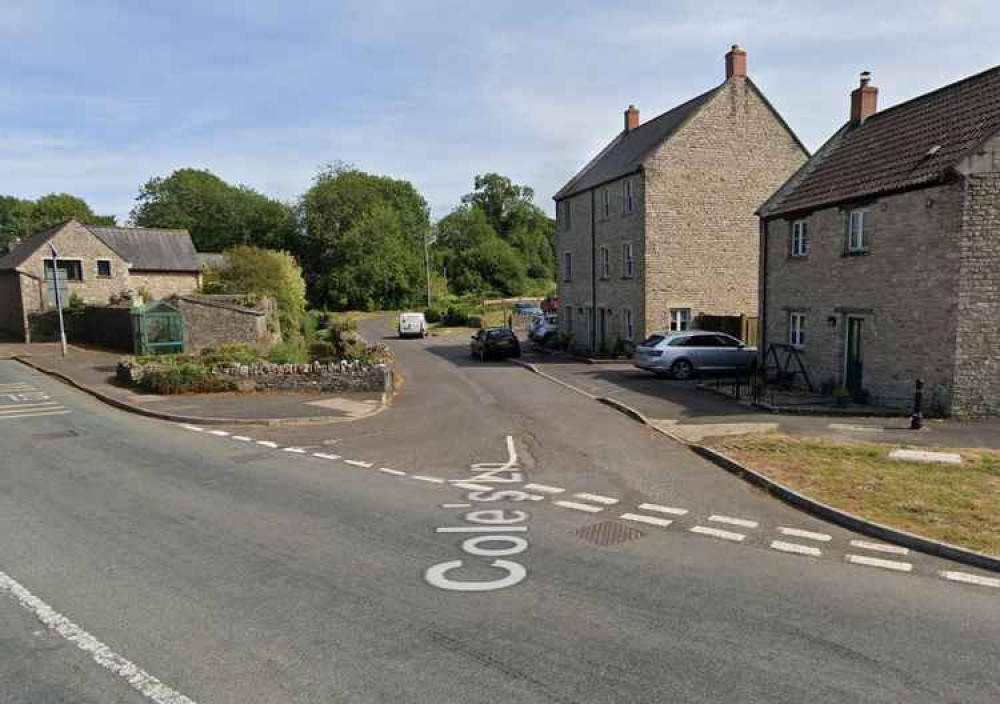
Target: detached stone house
(660,226)
(881,258)
(95,263)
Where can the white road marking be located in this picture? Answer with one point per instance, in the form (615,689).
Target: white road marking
(597,498)
(137,678)
(34,415)
(325,456)
(358,463)
(663,509)
(472,487)
(855,428)
(544,488)
(456,505)
(195,428)
(18,407)
(795,548)
(876,562)
(971,579)
(424,478)
(296,450)
(578,507)
(268,443)
(809,535)
(482,529)
(926,457)
(880,547)
(716,533)
(391,471)
(733,521)
(220,433)
(651,520)
(14,388)
(241,438)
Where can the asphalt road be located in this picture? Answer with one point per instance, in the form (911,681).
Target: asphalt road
(308,565)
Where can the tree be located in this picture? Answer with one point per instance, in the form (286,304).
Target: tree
(475,257)
(21,218)
(218,215)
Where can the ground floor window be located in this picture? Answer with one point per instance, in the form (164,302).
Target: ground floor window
(797,329)
(680,319)
(628,331)
(569,320)
(69,270)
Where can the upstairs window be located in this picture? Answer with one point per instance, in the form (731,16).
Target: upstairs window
(564,214)
(606,198)
(627,196)
(680,319)
(800,238)
(857,231)
(69,270)
(797,329)
(104,268)
(605,263)
(568,266)
(628,260)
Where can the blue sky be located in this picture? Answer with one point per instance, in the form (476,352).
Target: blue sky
(98,96)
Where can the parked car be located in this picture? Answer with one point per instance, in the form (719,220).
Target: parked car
(551,304)
(526,309)
(683,354)
(412,325)
(495,342)
(545,327)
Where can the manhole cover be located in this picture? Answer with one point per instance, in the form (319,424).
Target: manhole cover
(608,533)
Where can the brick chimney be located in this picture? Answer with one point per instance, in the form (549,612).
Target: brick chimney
(736,62)
(631,118)
(864,100)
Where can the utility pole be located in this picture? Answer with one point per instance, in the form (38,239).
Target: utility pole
(55,285)
(427,265)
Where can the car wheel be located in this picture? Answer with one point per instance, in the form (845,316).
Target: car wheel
(682,370)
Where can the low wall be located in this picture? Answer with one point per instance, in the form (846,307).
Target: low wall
(213,322)
(335,377)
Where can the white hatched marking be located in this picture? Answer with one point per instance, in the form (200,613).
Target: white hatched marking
(471,487)
(268,443)
(295,450)
(809,535)
(743,523)
(876,562)
(242,438)
(971,579)
(39,414)
(651,520)
(20,407)
(578,507)
(880,547)
(482,529)
(795,548)
(456,505)
(390,471)
(195,428)
(544,488)
(663,509)
(358,463)
(597,498)
(325,456)
(424,478)
(716,533)
(220,433)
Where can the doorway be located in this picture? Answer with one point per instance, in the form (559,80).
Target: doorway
(853,361)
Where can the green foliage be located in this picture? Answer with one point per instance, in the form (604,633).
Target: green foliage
(185,377)
(293,352)
(218,215)
(20,218)
(236,353)
(75,302)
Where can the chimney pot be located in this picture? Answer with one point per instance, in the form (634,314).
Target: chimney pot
(864,99)
(736,62)
(631,118)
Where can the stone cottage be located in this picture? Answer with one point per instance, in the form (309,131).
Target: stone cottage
(95,263)
(659,227)
(880,261)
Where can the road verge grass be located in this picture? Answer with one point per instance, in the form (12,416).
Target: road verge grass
(954,504)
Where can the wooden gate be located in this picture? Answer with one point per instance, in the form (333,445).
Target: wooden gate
(743,327)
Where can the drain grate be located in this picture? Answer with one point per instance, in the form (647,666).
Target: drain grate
(608,533)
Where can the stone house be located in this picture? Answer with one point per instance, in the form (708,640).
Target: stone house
(660,226)
(95,264)
(880,259)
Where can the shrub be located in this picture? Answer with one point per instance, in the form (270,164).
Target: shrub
(455,317)
(340,323)
(183,378)
(475,321)
(293,352)
(433,315)
(322,352)
(237,353)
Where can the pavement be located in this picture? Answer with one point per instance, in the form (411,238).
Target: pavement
(694,414)
(490,537)
(94,371)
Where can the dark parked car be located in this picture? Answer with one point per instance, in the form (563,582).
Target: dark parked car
(495,342)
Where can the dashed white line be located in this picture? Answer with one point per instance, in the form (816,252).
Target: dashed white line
(795,548)
(482,529)
(268,443)
(876,562)
(325,456)
(663,509)
(578,507)
(651,520)
(967,578)
(808,535)
(137,678)
(220,433)
(544,488)
(880,547)
(295,450)
(471,487)
(195,428)
(597,498)
(38,414)
(387,470)
(742,522)
(425,478)
(716,533)
(358,463)
(241,438)
(456,505)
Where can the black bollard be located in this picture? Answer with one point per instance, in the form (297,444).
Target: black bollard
(917,419)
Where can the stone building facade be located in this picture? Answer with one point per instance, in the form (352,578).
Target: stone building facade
(660,226)
(882,266)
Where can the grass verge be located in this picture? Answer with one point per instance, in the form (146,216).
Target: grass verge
(954,504)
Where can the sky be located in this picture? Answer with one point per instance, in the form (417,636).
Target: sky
(97,97)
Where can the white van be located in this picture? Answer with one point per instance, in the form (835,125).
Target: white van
(412,325)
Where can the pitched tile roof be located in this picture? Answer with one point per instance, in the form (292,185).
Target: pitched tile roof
(626,152)
(28,246)
(151,249)
(909,145)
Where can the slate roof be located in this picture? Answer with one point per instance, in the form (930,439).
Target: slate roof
(151,249)
(27,247)
(909,145)
(626,152)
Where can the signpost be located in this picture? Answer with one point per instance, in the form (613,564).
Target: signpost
(55,281)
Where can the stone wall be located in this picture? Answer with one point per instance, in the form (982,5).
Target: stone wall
(210,323)
(163,284)
(335,377)
(11,315)
(905,290)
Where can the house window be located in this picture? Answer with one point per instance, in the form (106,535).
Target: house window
(69,270)
(104,268)
(605,263)
(564,216)
(569,319)
(680,319)
(628,260)
(627,328)
(606,197)
(628,198)
(800,238)
(567,266)
(797,329)
(857,235)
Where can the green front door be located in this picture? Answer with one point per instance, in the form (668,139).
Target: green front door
(853,366)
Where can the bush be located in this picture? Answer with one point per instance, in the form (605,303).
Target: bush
(455,317)
(183,378)
(293,352)
(236,353)
(433,315)
(322,352)
(475,321)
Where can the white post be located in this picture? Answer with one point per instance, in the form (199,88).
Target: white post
(55,282)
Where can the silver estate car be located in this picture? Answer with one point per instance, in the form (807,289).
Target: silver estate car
(681,354)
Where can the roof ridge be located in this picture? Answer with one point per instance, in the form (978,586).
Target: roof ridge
(922,96)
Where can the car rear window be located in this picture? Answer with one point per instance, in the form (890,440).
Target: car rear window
(495,334)
(653,340)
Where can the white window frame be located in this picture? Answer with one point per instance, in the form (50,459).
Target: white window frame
(628,260)
(857,231)
(605,263)
(78,260)
(628,195)
(628,325)
(97,268)
(606,198)
(567,266)
(680,319)
(797,329)
(800,238)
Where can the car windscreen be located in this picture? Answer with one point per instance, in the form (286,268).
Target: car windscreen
(653,340)
(498,334)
